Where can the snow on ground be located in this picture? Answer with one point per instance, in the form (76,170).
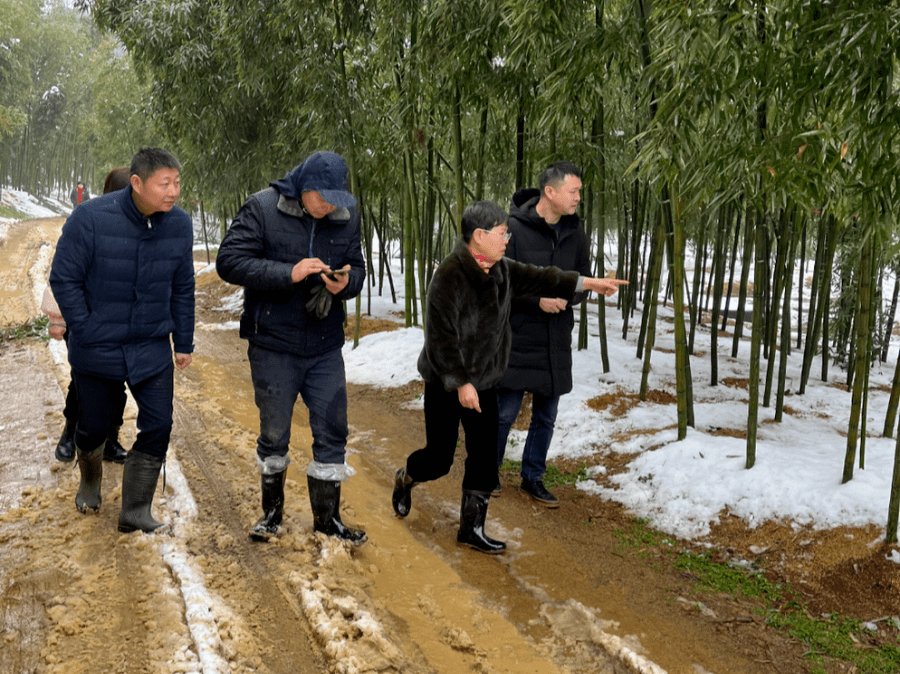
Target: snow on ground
(32,206)
(684,486)
(681,486)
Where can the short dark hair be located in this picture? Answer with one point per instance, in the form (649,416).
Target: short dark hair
(481,215)
(117,179)
(149,160)
(556,173)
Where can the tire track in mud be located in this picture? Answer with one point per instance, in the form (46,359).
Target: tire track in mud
(396,604)
(238,570)
(78,597)
(75,595)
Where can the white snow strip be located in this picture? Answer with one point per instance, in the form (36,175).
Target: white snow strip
(199,608)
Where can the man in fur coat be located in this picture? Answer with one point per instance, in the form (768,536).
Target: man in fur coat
(467,345)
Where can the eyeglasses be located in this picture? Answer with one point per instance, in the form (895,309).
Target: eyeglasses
(506,235)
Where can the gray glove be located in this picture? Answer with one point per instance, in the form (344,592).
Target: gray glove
(320,302)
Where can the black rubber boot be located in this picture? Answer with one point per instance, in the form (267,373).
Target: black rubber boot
(472,514)
(272,505)
(138,486)
(325,501)
(114,451)
(401,499)
(91,466)
(65,448)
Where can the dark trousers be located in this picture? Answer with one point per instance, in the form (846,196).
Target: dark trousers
(72,408)
(278,378)
(443,414)
(540,432)
(117,410)
(97,397)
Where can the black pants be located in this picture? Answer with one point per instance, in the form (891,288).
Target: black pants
(72,409)
(443,414)
(97,395)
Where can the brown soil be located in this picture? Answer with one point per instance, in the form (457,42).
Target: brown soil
(77,596)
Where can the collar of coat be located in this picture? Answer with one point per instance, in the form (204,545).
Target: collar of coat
(293,207)
(470,267)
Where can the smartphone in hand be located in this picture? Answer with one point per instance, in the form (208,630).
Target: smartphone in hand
(333,274)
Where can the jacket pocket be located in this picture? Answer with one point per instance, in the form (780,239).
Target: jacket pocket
(337,252)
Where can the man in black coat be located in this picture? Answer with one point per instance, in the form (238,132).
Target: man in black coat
(296,249)
(546,231)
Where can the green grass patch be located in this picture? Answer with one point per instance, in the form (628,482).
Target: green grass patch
(640,537)
(835,637)
(34,329)
(9,212)
(553,477)
(719,577)
(829,639)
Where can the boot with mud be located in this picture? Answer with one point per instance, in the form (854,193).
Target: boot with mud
(472,515)
(65,448)
(90,463)
(401,499)
(325,501)
(272,505)
(139,481)
(114,451)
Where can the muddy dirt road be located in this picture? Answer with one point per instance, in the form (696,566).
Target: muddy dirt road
(77,596)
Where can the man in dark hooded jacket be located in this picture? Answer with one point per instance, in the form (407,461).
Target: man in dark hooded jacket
(295,247)
(546,231)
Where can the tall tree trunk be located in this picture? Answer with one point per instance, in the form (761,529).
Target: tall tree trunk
(698,275)
(456,124)
(894,502)
(785,330)
(890,318)
(746,260)
(800,284)
(718,280)
(862,337)
(809,349)
(520,140)
(650,305)
(582,308)
(684,388)
(759,280)
(734,249)
(479,159)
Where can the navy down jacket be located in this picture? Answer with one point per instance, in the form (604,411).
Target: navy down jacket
(124,283)
(270,234)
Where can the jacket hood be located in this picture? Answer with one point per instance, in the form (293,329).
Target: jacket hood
(322,172)
(525,200)
(522,209)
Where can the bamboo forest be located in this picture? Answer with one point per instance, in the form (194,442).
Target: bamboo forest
(760,135)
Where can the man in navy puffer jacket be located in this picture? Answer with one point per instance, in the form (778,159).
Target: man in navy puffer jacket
(123,277)
(295,247)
